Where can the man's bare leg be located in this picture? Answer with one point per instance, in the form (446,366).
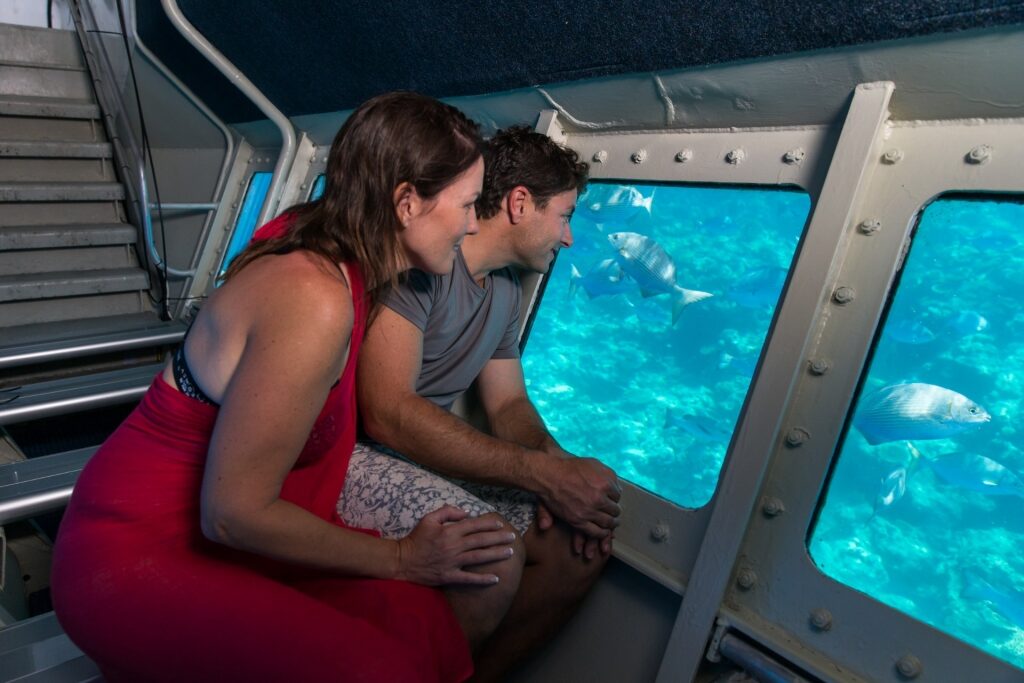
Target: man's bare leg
(554,583)
(479,609)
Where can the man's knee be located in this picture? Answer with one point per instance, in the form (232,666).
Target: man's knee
(551,553)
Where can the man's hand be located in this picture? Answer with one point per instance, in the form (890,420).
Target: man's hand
(584,493)
(581,545)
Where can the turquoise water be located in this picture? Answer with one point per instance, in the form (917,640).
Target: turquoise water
(615,379)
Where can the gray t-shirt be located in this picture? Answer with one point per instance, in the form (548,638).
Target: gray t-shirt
(464,325)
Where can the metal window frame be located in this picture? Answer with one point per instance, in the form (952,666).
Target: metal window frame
(916,163)
(867,169)
(657,537)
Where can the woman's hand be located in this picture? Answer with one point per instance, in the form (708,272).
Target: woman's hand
(445,541)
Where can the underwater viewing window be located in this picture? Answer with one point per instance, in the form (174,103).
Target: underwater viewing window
(245,224)
(923,508)
(647,368)
(317,190)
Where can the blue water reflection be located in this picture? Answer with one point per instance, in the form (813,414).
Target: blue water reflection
(609,371)
(924,508)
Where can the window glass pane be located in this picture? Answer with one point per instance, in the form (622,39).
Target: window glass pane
(611,374)
(924,507)
(318,188)
(245,224)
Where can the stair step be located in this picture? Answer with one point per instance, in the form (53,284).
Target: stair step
(48,107)
(73,259)
(40,213)
(19,237)
(43,46)
(74,394)
(45,342)
(34,81)
(72,283)
(37,649)
(60,192)
(15,314)
(62,149)
(37,485)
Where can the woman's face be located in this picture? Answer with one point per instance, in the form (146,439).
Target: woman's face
(434,228)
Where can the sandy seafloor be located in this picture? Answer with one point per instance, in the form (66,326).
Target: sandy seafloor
(615,380)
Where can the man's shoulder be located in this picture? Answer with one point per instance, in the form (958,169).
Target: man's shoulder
(506,279)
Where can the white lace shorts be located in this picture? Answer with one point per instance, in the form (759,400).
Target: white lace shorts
(385,491)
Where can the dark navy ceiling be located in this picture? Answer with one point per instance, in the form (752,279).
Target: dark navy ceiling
(311,56)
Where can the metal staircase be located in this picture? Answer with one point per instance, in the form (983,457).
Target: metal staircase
(73,294)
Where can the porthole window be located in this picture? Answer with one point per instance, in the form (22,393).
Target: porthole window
(245,224)
(923,508)
(317,190)
(646,340)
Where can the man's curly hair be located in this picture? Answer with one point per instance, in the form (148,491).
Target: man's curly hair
(521,156)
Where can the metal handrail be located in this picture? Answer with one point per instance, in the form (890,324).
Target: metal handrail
(229,138)
(133,157)
(229,70)
(116,121)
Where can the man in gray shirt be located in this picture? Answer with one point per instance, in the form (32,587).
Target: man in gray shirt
(432,339)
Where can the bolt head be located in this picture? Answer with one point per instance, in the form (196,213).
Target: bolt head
(821,619)
(600,156)
(660,532)
(870,226)
(794,156)
(892,156)
(746,578)
(772,507)
(819,366)
(797,436)
(908,666)
(684,155)
(639,156)
(843,295)
(735,156)
(979,155)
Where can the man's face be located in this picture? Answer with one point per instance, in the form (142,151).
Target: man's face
(545,231)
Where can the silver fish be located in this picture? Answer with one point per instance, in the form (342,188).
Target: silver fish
(759,288)
(892,489)
(622,204)
(966,323)
(605,279)
(1009,603)
(973,472)
(699,426)
(653,269)
(915,411)
(906,331)
(741,365)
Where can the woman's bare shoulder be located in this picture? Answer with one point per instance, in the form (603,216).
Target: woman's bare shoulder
(300,285)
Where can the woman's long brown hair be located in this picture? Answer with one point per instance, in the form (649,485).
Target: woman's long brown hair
(390,139)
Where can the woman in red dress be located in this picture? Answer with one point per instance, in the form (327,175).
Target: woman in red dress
(201,542)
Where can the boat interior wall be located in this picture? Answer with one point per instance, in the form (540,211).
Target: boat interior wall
(620,633)
(368,48)
(806,89)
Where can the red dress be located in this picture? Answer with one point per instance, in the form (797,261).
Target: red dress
(139,589)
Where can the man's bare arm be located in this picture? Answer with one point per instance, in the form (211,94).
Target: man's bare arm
(580,482)
(393,413)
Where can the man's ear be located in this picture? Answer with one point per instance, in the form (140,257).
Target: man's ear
(407,202)
(517,203)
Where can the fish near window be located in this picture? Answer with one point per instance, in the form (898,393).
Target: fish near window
(645,344)
(923,510)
